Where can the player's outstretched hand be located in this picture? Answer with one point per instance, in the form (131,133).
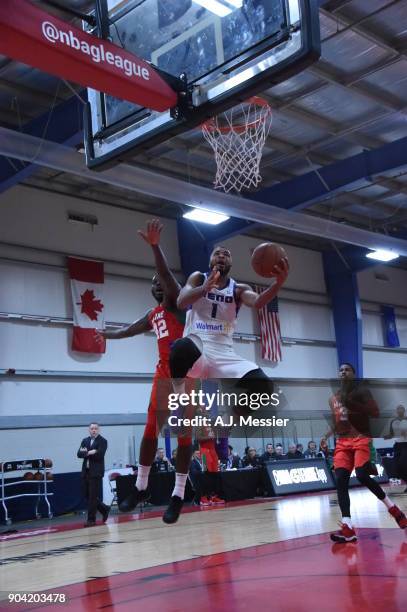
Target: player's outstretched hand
(212,280)
(152,234)
(280,271)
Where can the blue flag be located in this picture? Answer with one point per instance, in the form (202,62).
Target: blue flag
(389,325)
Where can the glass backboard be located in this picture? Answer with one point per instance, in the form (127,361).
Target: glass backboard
(225,51)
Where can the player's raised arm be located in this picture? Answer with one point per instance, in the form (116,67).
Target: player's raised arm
(196,287)
(140,326)
(169,283)
(252,299)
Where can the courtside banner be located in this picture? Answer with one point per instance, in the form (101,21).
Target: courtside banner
(381,476)
(299,476)
(87,282)
(36,38)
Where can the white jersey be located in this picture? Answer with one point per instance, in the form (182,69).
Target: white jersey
(213,316)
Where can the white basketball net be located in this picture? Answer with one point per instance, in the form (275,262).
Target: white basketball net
(237,138)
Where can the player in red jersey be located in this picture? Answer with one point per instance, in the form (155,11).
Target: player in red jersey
(352,407)
(168,324)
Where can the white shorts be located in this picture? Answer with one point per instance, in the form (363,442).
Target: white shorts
(218,361)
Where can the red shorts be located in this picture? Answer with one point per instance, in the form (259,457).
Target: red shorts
(351,453)
(158,410)
(207,448)
(157,407)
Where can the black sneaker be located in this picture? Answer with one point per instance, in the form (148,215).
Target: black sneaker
(171,515)
(134,499)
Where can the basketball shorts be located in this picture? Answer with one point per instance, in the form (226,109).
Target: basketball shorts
(209,455)
(158,406)
(219,360)
(351,453)
(158,411)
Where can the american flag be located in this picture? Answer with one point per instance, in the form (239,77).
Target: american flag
(269,329)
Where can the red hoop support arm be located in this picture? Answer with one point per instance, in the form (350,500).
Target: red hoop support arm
(36,38)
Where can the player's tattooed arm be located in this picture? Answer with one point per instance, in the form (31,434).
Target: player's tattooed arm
(140,326)
(250,298)
(169,283)
(196,287)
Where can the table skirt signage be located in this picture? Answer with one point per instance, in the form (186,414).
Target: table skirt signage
(381,477)
(300,475)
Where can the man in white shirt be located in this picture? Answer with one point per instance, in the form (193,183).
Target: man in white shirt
(398,432)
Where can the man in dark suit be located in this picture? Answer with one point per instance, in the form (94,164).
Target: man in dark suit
(92,450)
(268,455)
(233,461)
(195,472)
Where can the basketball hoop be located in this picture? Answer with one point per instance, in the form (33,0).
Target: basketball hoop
(237,138)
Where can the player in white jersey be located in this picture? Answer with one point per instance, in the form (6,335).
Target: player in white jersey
(206,350)
(210,324)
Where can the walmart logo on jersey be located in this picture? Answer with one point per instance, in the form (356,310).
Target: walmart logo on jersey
(214,328)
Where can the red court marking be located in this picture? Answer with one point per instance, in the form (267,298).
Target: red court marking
(298,575)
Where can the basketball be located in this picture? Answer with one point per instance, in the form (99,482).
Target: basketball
(48,462)
(28,476)
(38,476)
(265,257)
(49,476)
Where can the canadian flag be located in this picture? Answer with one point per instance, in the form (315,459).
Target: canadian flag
(87,282)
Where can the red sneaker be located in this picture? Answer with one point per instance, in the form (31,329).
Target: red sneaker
(217,500)
(205,501)
(398,516)
(345,534)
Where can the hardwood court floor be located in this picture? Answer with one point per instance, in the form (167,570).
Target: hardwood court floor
(234,558)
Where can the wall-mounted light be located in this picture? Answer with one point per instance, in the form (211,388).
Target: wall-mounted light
(382,255)
(205,216)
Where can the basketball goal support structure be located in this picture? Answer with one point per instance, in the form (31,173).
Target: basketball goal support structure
(284,53)
(167,104)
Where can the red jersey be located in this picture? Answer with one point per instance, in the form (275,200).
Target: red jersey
(167,328)
(352,411)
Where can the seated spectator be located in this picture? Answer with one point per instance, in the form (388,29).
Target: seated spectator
(311,451)
(278,452)
(293,453)
(195,469)
(196,464)
(269,454)
(233,461)
(206,484)
(161,463)
(251,458)
(300,449)
(324,451)
(173,457)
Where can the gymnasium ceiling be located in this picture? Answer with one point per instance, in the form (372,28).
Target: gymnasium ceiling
(354,99)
